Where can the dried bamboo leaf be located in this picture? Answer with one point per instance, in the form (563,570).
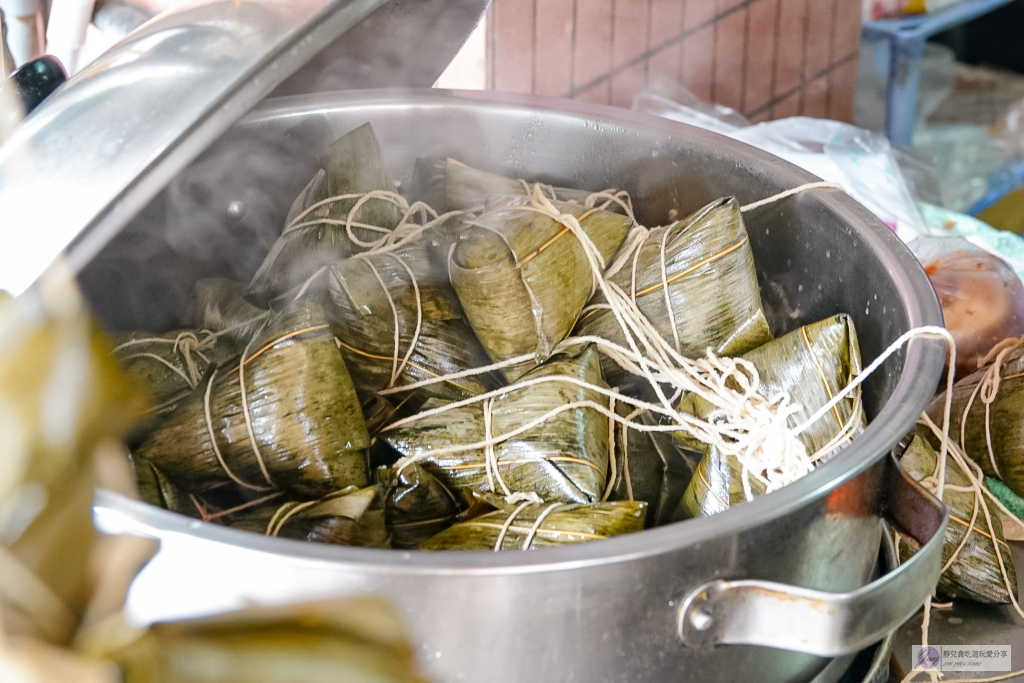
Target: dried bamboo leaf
(416,505)
(324,642)
(1005,426)
(562,524)
(812,364)
(711,286)
(650,467)
(363,298)
(523,277)
(974,574)
(302,411)
(563,459)
(352,516)
(220,305)
(354,165)
(450,185)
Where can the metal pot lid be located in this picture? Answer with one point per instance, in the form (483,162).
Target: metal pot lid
(101,147)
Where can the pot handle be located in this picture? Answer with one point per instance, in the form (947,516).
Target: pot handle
(751,612)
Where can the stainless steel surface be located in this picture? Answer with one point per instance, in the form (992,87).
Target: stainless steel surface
(603,611)
(817,622)
(968,623)
(100,148)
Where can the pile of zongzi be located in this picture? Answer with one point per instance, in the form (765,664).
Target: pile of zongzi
(487,363)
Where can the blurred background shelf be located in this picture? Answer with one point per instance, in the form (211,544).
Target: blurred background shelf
(906,38)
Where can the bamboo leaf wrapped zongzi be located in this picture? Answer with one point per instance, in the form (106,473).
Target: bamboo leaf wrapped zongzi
(398,323)
(695,281)
(563,458)
(986,410)
(532,525)
(523,277)
(974,573)
(811,364)
(317,232)
(285,417)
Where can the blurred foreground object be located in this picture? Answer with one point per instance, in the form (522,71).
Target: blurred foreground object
(6,60)
(65,32)
(353,640)
(25,28)
(61,396)
(36,80)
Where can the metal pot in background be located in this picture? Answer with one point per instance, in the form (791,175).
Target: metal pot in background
(771,590)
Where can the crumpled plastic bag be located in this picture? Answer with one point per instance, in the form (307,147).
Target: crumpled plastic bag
(859,160)
(981,296)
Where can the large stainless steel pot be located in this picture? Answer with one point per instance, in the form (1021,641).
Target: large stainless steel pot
(771,590)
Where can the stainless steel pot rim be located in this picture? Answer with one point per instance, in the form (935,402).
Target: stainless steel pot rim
(923,359)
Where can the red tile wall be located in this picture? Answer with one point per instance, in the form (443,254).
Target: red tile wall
(766,58)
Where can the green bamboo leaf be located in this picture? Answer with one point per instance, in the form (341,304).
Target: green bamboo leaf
(562,524)
(171,363)
(650,467)
(565,458)
(416,505)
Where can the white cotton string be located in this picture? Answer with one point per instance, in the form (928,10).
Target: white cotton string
(248,416)
(508,523)
(490,456)
(630,250)
(419,321)
(665,290)
(988,388)
(789,193)
(404,232)
(394,323)
(610,196)
(536,524)
(612,469)
(213,438)
(185,345)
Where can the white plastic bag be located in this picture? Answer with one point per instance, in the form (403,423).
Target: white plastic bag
(860,161)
